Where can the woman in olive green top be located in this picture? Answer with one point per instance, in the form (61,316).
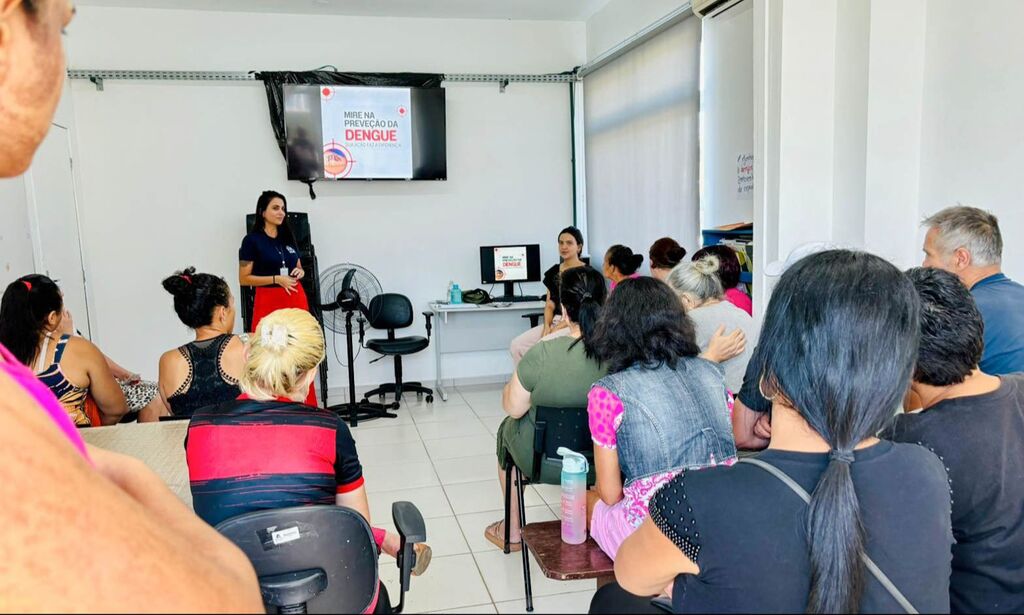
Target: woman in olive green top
(558,373)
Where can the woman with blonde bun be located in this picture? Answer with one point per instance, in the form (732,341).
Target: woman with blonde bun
(698,286)
(267,449)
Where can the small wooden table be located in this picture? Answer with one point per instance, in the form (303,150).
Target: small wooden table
(565,562)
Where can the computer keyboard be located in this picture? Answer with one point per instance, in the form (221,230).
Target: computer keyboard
(519,299)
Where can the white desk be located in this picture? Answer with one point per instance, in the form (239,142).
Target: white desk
(479,328)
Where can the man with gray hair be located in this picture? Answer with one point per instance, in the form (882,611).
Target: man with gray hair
(966,241)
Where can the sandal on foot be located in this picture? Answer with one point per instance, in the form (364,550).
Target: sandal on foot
(423,554)
(497,538)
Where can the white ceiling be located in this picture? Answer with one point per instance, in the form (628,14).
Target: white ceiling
(554,10)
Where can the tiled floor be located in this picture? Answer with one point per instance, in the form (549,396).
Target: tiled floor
(441,457)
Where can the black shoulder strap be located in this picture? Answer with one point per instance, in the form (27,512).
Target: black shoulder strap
(868,562)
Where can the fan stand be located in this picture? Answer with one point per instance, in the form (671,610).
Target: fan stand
(355,411)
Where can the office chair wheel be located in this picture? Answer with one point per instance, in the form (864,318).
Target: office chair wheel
(396,406)
(430,399)
(419,395)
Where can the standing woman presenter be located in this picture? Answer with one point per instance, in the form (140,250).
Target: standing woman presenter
(269,262)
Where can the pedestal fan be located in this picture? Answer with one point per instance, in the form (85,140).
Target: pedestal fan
(345,291)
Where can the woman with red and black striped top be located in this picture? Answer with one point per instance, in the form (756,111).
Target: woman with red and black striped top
(267,450)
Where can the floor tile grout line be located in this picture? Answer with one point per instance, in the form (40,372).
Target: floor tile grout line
(476,563)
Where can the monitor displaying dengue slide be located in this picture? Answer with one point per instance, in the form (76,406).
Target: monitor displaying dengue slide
(510,264)
(361,133)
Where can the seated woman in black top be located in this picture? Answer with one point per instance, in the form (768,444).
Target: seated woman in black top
(203,372)
(570,247)
(836,354)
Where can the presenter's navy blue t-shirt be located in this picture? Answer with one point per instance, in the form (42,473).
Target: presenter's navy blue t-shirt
(1001,303)
(267,253)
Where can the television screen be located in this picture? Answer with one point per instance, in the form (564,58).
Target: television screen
(360,132)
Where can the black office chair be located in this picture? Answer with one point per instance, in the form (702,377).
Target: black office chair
(392,311)
(321,559)
(556,427)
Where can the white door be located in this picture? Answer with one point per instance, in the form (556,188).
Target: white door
(56,231)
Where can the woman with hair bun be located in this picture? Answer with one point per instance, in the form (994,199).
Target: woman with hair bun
(665,254)
(267,450)
(699,287)
(621,264)
(205,371)
(729,274)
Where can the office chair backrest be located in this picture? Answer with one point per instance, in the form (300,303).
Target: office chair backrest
(389,311)
(320,556)
(568,427)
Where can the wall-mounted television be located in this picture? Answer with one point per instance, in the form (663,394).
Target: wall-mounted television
(363,132)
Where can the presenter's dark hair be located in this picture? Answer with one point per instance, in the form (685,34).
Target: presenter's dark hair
(623,259)
(582,292)
(26,304)
(644,323)
(952,330)
(728,264)
(197,295)
(666,253)
(831,320)
(576,234)
(285,230)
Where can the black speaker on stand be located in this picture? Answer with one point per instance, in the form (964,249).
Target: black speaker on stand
(298,222)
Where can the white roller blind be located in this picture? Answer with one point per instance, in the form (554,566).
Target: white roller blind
(642,145)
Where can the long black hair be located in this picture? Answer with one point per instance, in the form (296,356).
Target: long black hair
(838,344)
(623,259)
(27,303)
(582,293)
(284,232)
(576,234)
(197,295)
(644,323)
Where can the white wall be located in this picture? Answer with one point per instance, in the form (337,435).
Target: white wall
(15,234)
(169,168)
(727,113)
(620,19)
(972,150)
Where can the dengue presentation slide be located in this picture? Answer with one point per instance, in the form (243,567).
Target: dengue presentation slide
(367,132)
(510,264)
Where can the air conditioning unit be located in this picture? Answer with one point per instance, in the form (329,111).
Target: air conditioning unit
(707,8)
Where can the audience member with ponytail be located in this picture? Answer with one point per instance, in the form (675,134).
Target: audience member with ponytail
(205,371)
(621,264)
(837,353)
(661,409)
(664,255)
(557,372)
(267,450)
(35,327)
(700,289)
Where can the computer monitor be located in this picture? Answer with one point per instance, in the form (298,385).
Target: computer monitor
(510,264)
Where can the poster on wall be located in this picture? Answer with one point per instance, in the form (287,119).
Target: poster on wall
(367,132)
(745,176)
(510,264)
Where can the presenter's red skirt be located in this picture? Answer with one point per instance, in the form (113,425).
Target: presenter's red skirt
(272,298)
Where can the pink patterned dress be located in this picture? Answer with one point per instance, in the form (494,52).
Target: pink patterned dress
(611,525)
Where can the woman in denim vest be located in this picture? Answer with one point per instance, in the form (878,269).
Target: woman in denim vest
(660,410)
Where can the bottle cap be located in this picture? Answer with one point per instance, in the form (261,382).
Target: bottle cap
(573,462)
